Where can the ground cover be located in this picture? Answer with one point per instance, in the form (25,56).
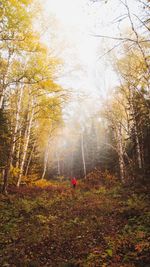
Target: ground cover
(91,226)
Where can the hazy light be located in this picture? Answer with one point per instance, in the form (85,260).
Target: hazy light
(87,73)
(78,21)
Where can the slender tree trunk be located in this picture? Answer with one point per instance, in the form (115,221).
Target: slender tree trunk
(83,155)
(18,149)
(137,142)
(58,165)
(6,172)
(30,157)
(26,143)
(47,151)
(142,149)
(12,146)
(120,153)
(1,98)
(18,108)
(45,162)
(133,115)
(4,82)
(46,156)
(138,151)
(72,163)
(45,168)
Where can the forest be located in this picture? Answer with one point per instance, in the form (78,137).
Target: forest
(70,112)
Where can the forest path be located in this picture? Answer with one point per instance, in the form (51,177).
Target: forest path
(85,227)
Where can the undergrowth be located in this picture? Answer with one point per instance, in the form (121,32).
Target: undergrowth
(54,225)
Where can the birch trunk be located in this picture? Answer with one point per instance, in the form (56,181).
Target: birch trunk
(12,145)
(142,149)
(45,166)
(120,153)
(1,98)
(83,154)
(18,108)
(58,165)
(18,149)
(26,143)
(137,143)
(4,82)
(138,151)
(30,157)
(45,161)
(47,151)
(72,163)
(2,95)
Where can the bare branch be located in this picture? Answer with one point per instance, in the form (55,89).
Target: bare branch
(120,38)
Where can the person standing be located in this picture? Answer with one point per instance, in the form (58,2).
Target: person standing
(74,182)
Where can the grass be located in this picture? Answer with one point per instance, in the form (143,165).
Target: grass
(56,226)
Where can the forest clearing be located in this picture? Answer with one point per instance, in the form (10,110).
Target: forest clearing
(74,133)
(97,224)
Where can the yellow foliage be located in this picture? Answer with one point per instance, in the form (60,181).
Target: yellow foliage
(43,183)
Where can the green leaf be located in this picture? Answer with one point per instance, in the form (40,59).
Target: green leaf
(109,252)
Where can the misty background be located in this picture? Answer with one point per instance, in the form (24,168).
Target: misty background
(88,75)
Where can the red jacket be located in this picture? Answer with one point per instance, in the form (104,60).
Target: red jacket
(74,181)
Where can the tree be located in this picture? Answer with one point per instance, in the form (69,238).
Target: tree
(27,87)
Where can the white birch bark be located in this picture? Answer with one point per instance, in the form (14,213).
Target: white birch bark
(1,98)
(46,159)
(13,143)
(83,154)
(58,165)
(45,164)
(18,108)
(30,157)
(120,153)
(4,85)
(137,143)
(26,142)
(138,151)
(18,149)
(72,154)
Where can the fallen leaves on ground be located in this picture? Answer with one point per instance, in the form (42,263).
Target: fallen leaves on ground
(58,226)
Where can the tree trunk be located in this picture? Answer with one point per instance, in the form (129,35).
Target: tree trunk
(1,99)
(83,155)
(18,108)
(12,146)
(71,171)
(26,143)
(47,151)
(58,165)
(4,81)
(120,153)
(18,149)
(30,157)
(138,151)
(133,115)
(142,149)
(7,171)
(46,156)
(45,162)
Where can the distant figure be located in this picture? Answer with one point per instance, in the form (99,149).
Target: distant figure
(74,182)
